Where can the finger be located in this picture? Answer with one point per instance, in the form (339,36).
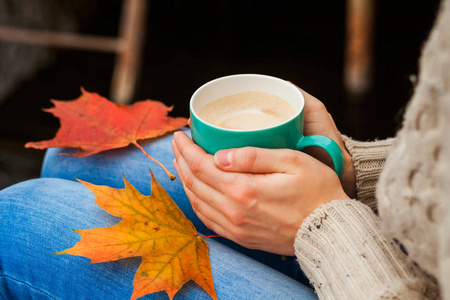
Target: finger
(190,180)
(226,201)
(314,109)
(175,164)
(218,223)
(212,218)
(200,164)
(199,160)
(310,100)
(186,176)
(208,215)
(316,112)
(257,160)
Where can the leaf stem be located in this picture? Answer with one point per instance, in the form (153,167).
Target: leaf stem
(171,176)
(210,236)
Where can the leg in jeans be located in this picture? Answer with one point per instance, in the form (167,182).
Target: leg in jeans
(107,168)
(36,220)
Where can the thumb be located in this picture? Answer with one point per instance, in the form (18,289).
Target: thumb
(256,160)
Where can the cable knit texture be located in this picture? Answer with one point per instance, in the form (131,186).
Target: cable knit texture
(341,249)
(413,189)
(368,159)
(346,251)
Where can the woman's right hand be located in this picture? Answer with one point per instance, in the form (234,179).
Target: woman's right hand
(318,121)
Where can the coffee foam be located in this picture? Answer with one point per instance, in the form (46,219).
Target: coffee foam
(247,111)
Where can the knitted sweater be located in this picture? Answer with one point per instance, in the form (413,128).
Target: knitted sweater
(345,249)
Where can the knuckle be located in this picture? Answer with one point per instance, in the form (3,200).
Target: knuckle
(290,158)
(242,193)
(247,157)
(235,217)
(189,181)
(196,166)
(240,235)
(330,117)
(195,202)
(239,193)
(318,105)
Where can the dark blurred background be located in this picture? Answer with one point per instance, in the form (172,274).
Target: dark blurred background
(188,43)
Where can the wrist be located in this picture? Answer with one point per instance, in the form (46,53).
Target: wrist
(349,177)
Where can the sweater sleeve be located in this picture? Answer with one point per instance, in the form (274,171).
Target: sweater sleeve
(368,159)
(341,250)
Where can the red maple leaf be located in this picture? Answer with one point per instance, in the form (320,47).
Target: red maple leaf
(93,124)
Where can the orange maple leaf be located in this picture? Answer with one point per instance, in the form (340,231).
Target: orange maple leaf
(152,227)
(93,124)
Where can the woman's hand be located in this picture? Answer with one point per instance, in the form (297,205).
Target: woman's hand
(255,197)
(317,120)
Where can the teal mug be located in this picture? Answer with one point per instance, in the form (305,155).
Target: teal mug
(287,134)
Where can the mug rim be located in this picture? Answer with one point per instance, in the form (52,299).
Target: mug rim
(284,82)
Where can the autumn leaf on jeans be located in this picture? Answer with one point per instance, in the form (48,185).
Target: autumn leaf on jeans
(93,124)
(152,227)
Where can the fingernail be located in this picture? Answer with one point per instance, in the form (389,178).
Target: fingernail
(223,158)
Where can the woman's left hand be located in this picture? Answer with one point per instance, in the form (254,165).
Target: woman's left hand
(253,196)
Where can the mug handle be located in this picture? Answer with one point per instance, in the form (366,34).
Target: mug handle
(328,145)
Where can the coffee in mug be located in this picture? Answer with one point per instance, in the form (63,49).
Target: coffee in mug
(247,111)
(271,133)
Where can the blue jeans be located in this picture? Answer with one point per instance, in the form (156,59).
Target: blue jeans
(37,217)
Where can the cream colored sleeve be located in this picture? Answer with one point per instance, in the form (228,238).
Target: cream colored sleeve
(368,159)
(344,255)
